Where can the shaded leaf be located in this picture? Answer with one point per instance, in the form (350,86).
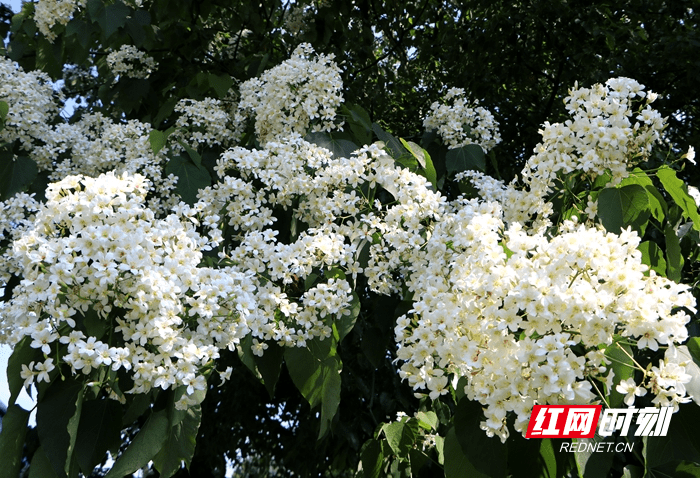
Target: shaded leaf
(339,148)
(487,456)
(619,208)
(465,158)
(678,190)
(41,466)
(180,444)
(15,174)
(191,177)
(653,257)
(401,436)
(99,431)
(14,429)
(147,443)
(591,463)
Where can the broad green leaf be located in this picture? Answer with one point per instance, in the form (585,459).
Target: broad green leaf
(99,431)
(49,56)
(657,203)
(427,420)
(653,256)
(359,122)
(94,325)
(191,178)
(4,109)
(401,436)
(371,459)
(465,158)
(339,148)
(147,443)
(423,159)
(674,256)
(678,190)
(57,419)
(487,456)
(110,18)
(457,464)
(345,323)
(589,463)
(618,355)
(180,444)
(681,443)
(220,84)
(266,368)
(315,370)
(15,174)
(22,353)
(14,429)
(619,208)
(40,466)
(81,30)
(157,140)
(394,147)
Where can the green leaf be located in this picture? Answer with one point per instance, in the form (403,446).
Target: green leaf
(589,463)
(359,122)
(57,419)
(486,456)
(49,56)
(345,323)
(220,84)
(4,109)
(618,354)
(180,444)
(15,174)
(315,370)
(191,178)
(674,256)
(427,420)
(147,443)
(22,353)
(391,144)
(619,208)
(653,256)
(678,190)
(94,325)
(681,443)
(371,459)
(401,436)
(99,431)
(457,464)
(81,30)
(466,158)
(40,466)
(266,368)
(339,148)
(657,203)
(14,429)
(158,139)
(110,18)
(423,159)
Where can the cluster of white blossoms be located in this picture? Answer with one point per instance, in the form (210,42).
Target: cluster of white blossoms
(459,122)
(130,62)
(49,13)
(96,144)
(299,95)
(207,122)
(98,260)
(30,98)
(607,133)
(504,309)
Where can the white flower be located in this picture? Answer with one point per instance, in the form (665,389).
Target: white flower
(630,389)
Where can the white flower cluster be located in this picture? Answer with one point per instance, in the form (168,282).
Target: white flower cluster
(605,135)
(508,325)
(49,13)
(207,122)
(30,98)
(300,94)
(460,123)
(98,259)
(130,62)
(96,144)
